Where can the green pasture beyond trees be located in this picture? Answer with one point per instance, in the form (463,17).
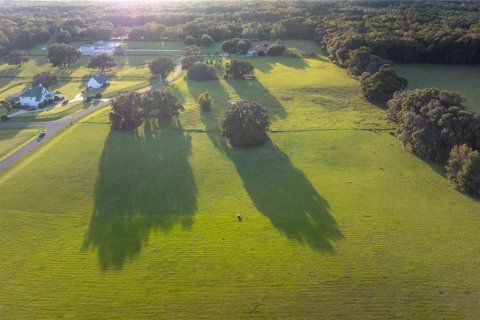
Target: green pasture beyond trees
(462,79)
(338,219)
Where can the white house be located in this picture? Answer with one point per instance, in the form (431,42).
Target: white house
(97,81)
(34,96)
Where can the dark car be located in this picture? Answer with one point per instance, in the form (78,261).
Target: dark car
(64,102)
(42,134)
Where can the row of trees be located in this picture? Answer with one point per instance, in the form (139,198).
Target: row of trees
(399,31)
(436,126)
(131,110)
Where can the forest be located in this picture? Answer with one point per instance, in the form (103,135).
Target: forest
(434,32)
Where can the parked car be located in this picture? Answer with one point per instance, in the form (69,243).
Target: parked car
(64,102)
(42,134)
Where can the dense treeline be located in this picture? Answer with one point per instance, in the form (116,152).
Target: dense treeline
(399,31)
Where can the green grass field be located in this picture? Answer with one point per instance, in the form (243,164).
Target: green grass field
(11,139)
(462,79)
(339,221)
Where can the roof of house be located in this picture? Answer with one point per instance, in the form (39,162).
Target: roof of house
(100,78)
(34,92)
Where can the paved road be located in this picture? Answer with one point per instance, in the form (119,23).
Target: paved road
(53,127)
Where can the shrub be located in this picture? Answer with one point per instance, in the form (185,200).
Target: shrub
(245,123)
(204,101)
(4,118)
(276,49)
(463,169)
(201,72)
(98,96)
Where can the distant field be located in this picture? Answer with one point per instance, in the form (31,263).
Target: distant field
(339,221)
(12,139)
(463,79)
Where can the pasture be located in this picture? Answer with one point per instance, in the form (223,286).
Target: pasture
(11,139)
(338,219)
(462,79)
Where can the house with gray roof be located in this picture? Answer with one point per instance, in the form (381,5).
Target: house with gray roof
(34,96)
(98,81)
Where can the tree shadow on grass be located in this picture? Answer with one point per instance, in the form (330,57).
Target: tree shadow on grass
(266,64)
(282,192)
(145,183)
(254,90)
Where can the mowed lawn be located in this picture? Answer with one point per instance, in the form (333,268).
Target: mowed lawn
(338,219)
(462,79)
(11,139)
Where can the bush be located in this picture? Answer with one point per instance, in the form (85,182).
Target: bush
(204,101)
(463,169)
(98,96)
(4,118)
(276,49)
(245,123)
(201,72)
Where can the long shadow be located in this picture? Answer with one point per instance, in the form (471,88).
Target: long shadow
(255,90)
(283,193)
(145,183)
(266,64)
(280,191)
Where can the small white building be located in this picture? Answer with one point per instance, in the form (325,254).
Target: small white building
(34,96)
(251,53)
(98,81)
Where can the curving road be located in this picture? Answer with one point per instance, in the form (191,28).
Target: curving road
(53,127)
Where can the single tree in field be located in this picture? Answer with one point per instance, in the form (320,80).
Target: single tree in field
(62,55)
(230,46)
(46,79)
(161,104)
(17,58)
(245,123)
(239,70)
(102,62)
(161,66)
(204,101)
(127,112)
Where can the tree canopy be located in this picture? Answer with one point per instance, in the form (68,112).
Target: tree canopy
(237,69)
(46,79)
(202,72)
(62,55)
(17,57)
(380,86)
(245,123)
(162,66)
(102,62)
